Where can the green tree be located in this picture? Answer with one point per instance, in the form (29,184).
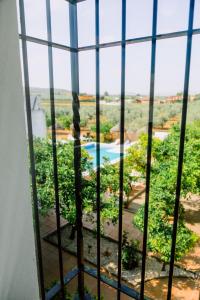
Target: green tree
(137,153)
(45,177)
(163,188)
(104,130)
(66,176)
(64,121)
(104,127)
(109,188)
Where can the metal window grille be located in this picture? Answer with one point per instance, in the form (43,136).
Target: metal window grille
(74,51)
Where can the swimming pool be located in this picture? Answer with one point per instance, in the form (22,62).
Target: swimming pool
(110,151)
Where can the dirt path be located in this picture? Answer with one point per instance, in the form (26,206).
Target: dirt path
(183,289)
(192,216)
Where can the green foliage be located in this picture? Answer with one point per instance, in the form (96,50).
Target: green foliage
(160,232)
(48,120)
(130,257)
(83,123)
(166,156)
(109,188)
(64,121)
(45,178)
(66,176)
(104,127)
(136,115)
(162,192)
(136,154)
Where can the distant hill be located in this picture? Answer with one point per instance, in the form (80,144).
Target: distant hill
(60,94)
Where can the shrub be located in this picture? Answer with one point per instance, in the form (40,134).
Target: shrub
(104,128)
(130,257)
(48,120)
(64,121)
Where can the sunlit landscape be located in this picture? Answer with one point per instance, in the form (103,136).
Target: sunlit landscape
(110,92)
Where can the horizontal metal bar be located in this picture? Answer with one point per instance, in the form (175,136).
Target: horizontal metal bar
(74,1)
(93,273)
(112,283)
(140,40)
(143,39)
(57,287)
(33,39)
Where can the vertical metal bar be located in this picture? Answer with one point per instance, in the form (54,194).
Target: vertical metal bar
(181,145)
(98,149)
(31,152)
(77,144)
(121,166)
(54,148)
(149,146)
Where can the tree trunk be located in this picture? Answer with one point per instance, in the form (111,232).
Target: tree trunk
(163,267)
(73,232)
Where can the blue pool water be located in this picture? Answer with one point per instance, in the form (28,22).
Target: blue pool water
(106,150)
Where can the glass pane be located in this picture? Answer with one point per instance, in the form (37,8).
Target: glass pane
(86,22)
(35,15)
(139,18)
(63,99)
(38,65)
(197,14)
(110,66)
(170,66)
(138,58)
(62,70)
(195,66)
(110,20)
(60,21)
(87,82)
(172,15)
(137,89)
(194,104)
(87,103)
(39,88)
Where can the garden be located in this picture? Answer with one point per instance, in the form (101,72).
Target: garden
(161,205)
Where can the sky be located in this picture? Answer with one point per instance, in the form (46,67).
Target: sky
(170,54)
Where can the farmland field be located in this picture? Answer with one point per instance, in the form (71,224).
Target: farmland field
(136,115)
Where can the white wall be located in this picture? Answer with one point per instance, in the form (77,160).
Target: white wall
(18,273)
(39,123)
